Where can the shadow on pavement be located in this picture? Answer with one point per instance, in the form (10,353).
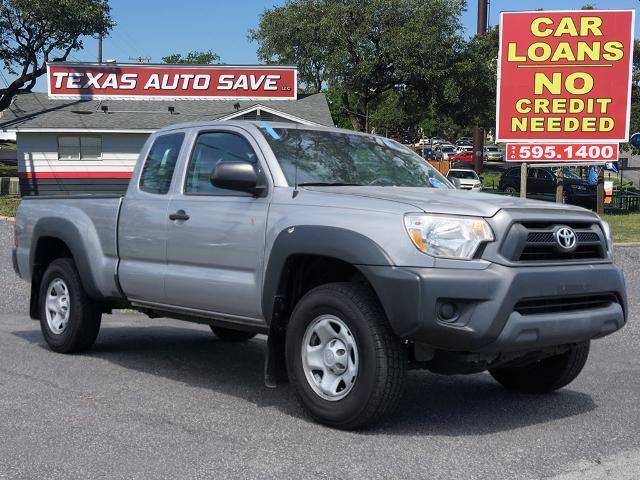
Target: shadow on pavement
(433,404)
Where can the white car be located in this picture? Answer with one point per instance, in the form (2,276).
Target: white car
(443,151)
(464,148)
(467,179)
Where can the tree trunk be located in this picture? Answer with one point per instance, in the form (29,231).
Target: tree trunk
(357,119)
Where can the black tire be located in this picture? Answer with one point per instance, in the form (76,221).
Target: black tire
(84,314)
(230,335)
(381,375)
(546,375)
(509,190)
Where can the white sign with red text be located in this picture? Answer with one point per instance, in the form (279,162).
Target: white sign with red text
(163,82)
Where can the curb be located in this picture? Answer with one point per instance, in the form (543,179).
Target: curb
(7,219)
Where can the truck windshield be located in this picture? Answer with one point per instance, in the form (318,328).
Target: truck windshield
(340,158)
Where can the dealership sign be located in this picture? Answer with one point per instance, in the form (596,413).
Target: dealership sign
(161,82)
(564,76)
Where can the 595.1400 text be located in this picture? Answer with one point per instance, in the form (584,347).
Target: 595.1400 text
(562,152)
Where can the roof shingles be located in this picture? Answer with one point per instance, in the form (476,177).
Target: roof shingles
(38,111)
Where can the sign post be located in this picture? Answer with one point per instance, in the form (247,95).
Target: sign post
(564,85)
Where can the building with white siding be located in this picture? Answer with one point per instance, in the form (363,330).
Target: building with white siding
(90,146)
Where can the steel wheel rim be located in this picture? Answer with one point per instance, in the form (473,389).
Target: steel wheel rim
(330,357)
(57,306)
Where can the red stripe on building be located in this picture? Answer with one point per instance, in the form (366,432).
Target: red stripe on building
(62,175)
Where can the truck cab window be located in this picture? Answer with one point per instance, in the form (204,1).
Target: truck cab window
(160,163)
(210,149)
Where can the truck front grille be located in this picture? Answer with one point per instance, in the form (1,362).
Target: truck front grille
(533,306)
(536,242)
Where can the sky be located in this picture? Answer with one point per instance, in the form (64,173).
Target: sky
(153,29)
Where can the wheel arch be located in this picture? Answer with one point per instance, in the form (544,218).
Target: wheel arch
(57,238)
(301,258)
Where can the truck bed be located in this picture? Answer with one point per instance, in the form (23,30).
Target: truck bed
(89,222)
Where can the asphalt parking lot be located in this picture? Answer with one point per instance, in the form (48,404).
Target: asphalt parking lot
(165,399)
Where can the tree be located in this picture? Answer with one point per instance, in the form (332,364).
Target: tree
(362,49)
(194,57)
(34,32)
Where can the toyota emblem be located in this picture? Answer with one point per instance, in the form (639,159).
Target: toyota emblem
(566,238)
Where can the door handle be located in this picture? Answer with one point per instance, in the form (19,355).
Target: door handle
(179,215)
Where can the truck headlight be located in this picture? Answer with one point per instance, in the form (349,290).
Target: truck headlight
(447,237)
(606,228)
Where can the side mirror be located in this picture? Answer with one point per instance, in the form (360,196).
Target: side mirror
(240,176)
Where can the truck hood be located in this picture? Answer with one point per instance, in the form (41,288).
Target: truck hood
(444,201)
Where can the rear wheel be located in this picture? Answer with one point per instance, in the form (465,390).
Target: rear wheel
(545,375)
(510,190)
(230,335)
(347,365)
(69,319)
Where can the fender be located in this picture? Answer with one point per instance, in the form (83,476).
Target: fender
(342,244)
(67,232)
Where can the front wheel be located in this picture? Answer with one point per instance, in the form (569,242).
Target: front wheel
(545,375)
(69,319)
(347,365)
(511,191)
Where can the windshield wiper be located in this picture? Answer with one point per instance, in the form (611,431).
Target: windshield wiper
(328,184)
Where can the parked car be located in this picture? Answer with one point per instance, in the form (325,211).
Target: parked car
(493,154)
(464,156)
(353,281)
(464,148)
(542,182)
(467,179)
(464,141)
(438,141)
(442,152)
(423,142)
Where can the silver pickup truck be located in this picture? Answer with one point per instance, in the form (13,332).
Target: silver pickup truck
(354,256)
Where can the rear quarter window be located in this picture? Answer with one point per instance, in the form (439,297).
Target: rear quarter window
(160,163)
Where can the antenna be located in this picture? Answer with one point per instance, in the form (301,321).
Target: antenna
(295,181)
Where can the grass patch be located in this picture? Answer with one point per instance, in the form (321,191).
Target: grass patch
(9,205)
(7,146)
(490,180)
(625,228)
(8,170)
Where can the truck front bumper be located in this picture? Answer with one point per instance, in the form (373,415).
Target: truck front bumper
(501,309)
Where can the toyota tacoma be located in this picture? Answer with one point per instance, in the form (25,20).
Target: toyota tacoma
(354,256)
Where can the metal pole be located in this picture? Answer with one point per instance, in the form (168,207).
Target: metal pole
(99,48)
(478,133)
(600,191)
(482,16)
(559,185)
(523,180)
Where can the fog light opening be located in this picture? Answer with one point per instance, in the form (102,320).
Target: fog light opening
(447,311)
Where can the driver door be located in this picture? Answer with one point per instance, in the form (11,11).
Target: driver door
(215,245)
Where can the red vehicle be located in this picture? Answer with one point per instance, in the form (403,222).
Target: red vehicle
(463,156)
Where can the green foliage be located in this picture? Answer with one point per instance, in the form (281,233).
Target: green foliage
(8,205)
(34,32)
(361,51)
(8,170)
(625,228)
(194,57)
(634,124)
